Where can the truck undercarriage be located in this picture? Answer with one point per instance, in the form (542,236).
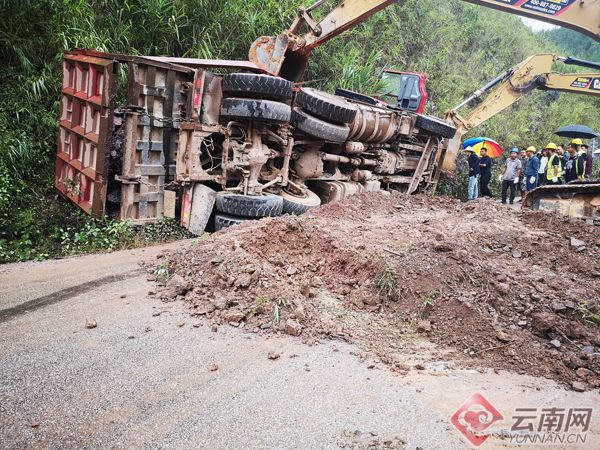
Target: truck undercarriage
(249,143)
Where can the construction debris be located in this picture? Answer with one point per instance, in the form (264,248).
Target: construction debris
(458,281)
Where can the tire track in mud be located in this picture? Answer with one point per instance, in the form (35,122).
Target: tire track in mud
(64,294)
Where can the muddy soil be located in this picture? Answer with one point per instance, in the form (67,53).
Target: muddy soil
(489,286)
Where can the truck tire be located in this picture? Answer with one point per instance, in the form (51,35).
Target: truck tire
(319,128)
(296,205)
(325,105)
(435,126)
(257,86)
(225,221)
(266,205)
(263,110)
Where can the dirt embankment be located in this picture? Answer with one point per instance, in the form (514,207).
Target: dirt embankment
(504,289)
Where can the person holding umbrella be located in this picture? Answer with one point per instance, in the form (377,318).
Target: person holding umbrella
(484,148)
(553,167)
(582,150)
(473,171)
(531,170)
(485,167)
(511,172)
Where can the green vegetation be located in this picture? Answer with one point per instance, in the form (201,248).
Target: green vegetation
(575,44)
(385,284)
(458,45)
(162,272)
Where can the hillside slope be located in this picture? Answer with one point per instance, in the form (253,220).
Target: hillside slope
(458,45)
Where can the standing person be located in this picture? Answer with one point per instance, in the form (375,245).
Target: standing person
(564,157)
(522,181)
(589,163)
(574,166)
(485,167)
(553,167)
(542,169)
(531,171)
(511,172)
(473,172)
(582,152)
(562,154)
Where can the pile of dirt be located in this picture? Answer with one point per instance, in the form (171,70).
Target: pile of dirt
(509,290)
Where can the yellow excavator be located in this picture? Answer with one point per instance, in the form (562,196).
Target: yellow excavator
(580,198)
(288,53)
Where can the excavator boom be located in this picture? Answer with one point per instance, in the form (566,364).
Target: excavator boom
(533,73)
(287,55)
(577,15)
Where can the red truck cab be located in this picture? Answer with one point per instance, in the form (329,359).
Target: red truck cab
(404,90)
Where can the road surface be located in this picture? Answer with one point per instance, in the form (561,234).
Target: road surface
(144,381)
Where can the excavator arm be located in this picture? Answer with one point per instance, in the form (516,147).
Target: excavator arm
(533,73)
(287,55)
(577,15)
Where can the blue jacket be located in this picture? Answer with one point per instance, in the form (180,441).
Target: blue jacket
(532,167)
(473,164)
(488,165)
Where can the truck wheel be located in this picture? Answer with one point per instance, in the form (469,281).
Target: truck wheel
(263,110)
(297,205)
(325,105)
(319,128)
(225,221)
(266,205)
(257,86)
(435,126)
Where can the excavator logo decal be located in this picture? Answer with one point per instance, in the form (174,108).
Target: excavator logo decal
(581,82)
(551,7)
(595,85)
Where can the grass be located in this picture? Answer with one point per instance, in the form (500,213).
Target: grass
(385,284)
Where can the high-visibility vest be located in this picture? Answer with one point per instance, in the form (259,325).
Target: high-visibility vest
(550,172)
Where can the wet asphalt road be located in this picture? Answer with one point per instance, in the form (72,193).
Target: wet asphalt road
(119,386)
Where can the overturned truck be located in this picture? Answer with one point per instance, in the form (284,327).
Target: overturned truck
(179,140)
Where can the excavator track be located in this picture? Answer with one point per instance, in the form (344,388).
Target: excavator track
(579,199)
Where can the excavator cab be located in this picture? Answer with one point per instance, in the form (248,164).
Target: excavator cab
(403,90)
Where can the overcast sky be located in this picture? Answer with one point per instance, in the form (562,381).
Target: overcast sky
(537,25)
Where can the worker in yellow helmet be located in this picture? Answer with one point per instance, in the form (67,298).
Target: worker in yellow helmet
(553,167)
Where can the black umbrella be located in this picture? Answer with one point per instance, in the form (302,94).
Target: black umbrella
(576,131)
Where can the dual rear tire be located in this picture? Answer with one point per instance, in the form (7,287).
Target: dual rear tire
(322,115)
(234,209)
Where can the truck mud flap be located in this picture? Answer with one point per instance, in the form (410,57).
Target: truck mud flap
(198,203)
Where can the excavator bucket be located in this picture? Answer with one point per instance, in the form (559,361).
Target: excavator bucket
(275,54)
(449,158)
